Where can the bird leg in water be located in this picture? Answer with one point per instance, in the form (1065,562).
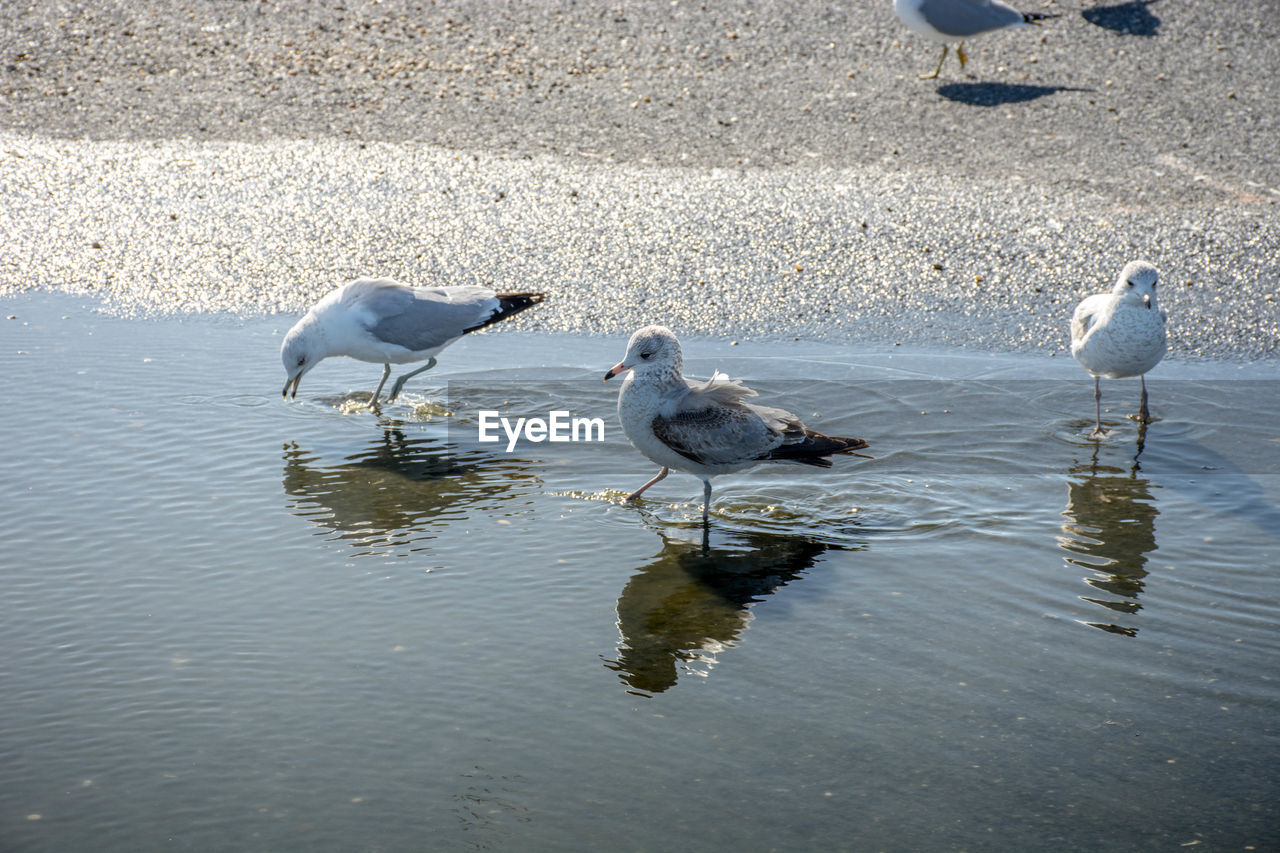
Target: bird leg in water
(640,491)
(386,371)
(937,70)
(395,389)
(1098,431)
(706,501)
(1144,414)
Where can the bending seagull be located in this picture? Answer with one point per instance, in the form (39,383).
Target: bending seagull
(380,320)
(706,429)
(953,21)
(1121,333)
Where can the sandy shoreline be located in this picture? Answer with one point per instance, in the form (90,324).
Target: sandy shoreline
(749,171)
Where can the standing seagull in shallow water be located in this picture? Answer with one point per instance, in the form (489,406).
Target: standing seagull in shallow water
(1121,333)
(380,320)
(953,21)
(706,428)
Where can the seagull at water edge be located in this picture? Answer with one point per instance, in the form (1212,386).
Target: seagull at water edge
(706,428)
(380,320)
(1120,334)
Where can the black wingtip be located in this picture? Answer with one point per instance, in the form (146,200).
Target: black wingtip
(510,304)
(817,448)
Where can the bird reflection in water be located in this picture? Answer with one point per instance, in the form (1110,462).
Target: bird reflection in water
(1110,530)
(678,613)
(386,495)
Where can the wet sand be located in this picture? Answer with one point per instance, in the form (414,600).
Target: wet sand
(747,170)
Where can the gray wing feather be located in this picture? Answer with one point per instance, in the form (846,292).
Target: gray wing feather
(1085,316)
(717,434)
(420,318)
(1080,325)
(965,18)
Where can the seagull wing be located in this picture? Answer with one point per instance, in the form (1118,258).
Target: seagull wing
(419,318)
(1086,317)
(710,425)
(965,18)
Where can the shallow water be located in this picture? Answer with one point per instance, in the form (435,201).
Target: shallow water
(237,624)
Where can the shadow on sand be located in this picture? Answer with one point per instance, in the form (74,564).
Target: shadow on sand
(995,94)
(1132,19)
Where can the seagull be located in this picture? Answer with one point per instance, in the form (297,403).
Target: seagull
(706,428)
(953,21)
(1120,334)
(380,320)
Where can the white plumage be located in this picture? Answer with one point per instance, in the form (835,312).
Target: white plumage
(1121,333)
(384,321)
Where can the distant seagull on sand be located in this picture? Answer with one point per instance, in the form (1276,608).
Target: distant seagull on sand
(1121,333)
(953,21)
(380,320)
(706,429)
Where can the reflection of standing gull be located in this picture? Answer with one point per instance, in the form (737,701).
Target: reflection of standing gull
(1110,531)
(385,494)
(693,601)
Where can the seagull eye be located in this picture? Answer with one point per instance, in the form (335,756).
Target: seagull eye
(646,355)
(302,359)
(1130,283)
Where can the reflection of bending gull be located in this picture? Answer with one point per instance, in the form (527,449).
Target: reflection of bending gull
(693,601)
(1110,530)
(380,320)
(953,21)
(388,493)
(706,429)
(1121,333)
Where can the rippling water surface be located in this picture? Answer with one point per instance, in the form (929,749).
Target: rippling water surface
(232,623)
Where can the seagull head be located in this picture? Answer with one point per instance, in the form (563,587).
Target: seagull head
(299,354)
(652,350)
(1137,284)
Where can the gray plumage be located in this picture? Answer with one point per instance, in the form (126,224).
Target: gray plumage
(706,428)
(962,19)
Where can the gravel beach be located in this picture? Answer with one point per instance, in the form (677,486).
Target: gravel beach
(744,169)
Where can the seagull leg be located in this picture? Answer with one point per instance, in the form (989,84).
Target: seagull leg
(386,371)
(960,55)
(937,70)
(640,491)
(1098,431)
(1144,414)
(706,501)
(395,389)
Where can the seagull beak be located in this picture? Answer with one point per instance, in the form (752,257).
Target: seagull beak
(614,371)
(1146,300)
(294,382)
